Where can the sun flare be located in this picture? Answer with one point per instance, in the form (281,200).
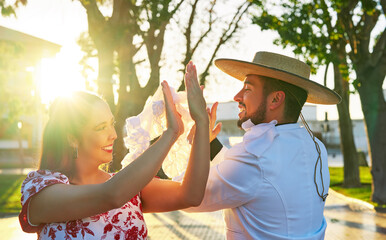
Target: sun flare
(60,76)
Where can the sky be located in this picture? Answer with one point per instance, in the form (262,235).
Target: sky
(62,21)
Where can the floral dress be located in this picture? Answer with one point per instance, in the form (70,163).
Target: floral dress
(126,222)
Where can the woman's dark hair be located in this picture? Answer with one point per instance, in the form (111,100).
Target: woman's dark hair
(67,118)
(295,97)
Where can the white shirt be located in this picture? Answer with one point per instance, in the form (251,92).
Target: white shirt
(266,185)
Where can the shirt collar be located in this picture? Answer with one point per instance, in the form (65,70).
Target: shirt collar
(258,138)
(248,125)
(288,126)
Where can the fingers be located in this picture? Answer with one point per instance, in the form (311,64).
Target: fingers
(169,103)
(217,129)
(191,134)
(213,134)
(213,112)
(191,81)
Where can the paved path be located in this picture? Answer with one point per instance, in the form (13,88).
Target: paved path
(352,219)
(346,219)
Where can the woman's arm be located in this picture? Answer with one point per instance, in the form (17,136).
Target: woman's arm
(163,195)
(60,202)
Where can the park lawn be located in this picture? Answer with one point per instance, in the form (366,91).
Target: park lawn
(362,193)
(10,193)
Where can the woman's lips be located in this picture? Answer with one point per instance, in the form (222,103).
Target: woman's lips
(108,148)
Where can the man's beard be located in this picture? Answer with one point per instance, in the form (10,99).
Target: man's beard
(256,117)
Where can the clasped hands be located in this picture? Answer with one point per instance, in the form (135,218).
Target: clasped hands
(201,115)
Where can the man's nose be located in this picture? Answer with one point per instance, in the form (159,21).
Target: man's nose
(238,96)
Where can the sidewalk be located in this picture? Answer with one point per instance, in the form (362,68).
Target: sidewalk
(352,219)
(346,219)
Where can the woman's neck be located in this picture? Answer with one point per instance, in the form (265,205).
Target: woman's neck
(87,173)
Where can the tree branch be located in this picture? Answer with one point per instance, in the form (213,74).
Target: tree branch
(346,22)
(188,29)
(379,49)
(227,34)
(176,8)
(210,24)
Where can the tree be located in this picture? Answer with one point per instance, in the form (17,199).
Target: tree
(300,29)
(131,36)
(114,39)
(228,31)
(321,31)
(8,9)
(370,69)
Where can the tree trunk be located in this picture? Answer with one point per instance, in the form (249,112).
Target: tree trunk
(374,110)
(105,76)
(347,144)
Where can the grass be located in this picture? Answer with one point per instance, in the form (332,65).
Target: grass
(10,193)
(362,193)
(9,165)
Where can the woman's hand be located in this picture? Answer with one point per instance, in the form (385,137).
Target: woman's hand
(160,196)
(173,118)
(196,101)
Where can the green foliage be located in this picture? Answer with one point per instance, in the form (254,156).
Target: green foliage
(16,85)
(301,25)
(10,193)
(9,9)
(312,28)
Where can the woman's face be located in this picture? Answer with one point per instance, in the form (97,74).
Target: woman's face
(98,135)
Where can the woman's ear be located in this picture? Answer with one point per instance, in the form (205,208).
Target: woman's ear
(276,100)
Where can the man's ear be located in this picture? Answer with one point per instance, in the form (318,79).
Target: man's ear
(276,100)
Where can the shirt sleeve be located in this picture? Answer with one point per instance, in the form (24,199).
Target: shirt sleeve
(35,182)
(228,186)
(215,148)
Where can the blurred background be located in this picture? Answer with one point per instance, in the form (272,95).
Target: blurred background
(122,49)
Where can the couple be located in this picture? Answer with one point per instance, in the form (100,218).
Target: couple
(271,186)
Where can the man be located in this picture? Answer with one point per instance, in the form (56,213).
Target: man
(273,184)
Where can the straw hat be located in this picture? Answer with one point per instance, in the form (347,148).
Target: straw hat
(283,68)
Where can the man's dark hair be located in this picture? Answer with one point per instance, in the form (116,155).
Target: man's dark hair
(295,97)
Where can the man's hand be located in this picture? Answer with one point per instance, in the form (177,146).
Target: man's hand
(213,130)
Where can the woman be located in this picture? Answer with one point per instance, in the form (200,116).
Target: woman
(69,197)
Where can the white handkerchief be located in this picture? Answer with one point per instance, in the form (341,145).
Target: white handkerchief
(151,123)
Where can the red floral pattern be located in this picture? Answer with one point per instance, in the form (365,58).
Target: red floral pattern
(122,223)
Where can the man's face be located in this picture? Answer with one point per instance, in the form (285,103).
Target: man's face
(252,100)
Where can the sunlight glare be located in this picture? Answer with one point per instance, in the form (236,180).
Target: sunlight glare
(60,76)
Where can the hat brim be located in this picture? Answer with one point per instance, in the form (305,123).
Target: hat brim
(317,94)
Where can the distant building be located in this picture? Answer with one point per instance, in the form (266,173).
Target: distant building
(22,79)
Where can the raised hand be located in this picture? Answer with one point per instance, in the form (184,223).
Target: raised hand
(173,118)
(196,101)
(213,130)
